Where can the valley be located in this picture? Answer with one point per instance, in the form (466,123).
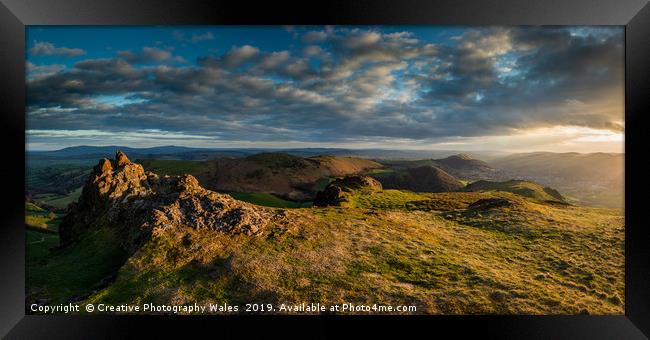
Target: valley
(450,235)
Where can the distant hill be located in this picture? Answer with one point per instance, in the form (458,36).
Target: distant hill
(282,174)
(462,162)
(523,188)
(461,166)
(426,178)
(87,155)
(135,235)
(465,167)
(94,152)
(575,166)
(593,179)
(110,150)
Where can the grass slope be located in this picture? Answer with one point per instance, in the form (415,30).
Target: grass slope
(58,200)
(523,188)
(60,276)
(291,177)
(267,200)
(174,167)
(38,218)
(392,247)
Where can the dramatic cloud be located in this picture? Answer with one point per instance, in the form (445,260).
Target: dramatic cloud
(48,49)
(351,85)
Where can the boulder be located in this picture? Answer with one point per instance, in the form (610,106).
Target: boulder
(338,191)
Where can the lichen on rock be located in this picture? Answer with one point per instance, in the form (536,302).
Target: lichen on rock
(120,194)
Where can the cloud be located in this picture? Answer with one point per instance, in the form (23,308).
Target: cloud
(202,37)
(146,55)
(314,37)
(238,55)
(42,48)
(274,59)
(43,70)
(312,50)
(351,85)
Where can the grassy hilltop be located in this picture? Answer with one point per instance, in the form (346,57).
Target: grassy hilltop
(509,247)
(529,258)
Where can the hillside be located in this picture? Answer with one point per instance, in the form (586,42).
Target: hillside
(465,167)
(281,174)
(426,178)
(461,166)
(571,165)
(524,188)
(136,237)
(594,179)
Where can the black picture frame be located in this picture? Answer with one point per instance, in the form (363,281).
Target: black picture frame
(16,14)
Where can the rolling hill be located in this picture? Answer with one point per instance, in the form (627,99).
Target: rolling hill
(594,179)
(461,166)
(465,167)
(427,178)
(524,188)
(281,174)
(136,236)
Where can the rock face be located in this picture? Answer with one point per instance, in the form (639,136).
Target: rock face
(338,191)
(425,178)
(120,194)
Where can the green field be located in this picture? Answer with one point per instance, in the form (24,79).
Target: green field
(519,187)
(57,178)
(59,201)
(37,218)
(378,173)
(267,200)
(61,275)
(174,167)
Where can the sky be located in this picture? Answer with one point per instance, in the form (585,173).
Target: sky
(509,89)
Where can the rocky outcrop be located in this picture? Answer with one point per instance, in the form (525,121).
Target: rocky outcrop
(119,194)
(338,191)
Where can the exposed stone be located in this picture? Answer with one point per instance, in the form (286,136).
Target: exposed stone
(140,204)
(103,166)
(337,192)
(121,159)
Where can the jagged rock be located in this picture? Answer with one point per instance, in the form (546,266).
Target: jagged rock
(123,196)
(121,159)
(104,166)
(337,192)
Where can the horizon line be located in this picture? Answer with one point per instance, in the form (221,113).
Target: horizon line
(307,148)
